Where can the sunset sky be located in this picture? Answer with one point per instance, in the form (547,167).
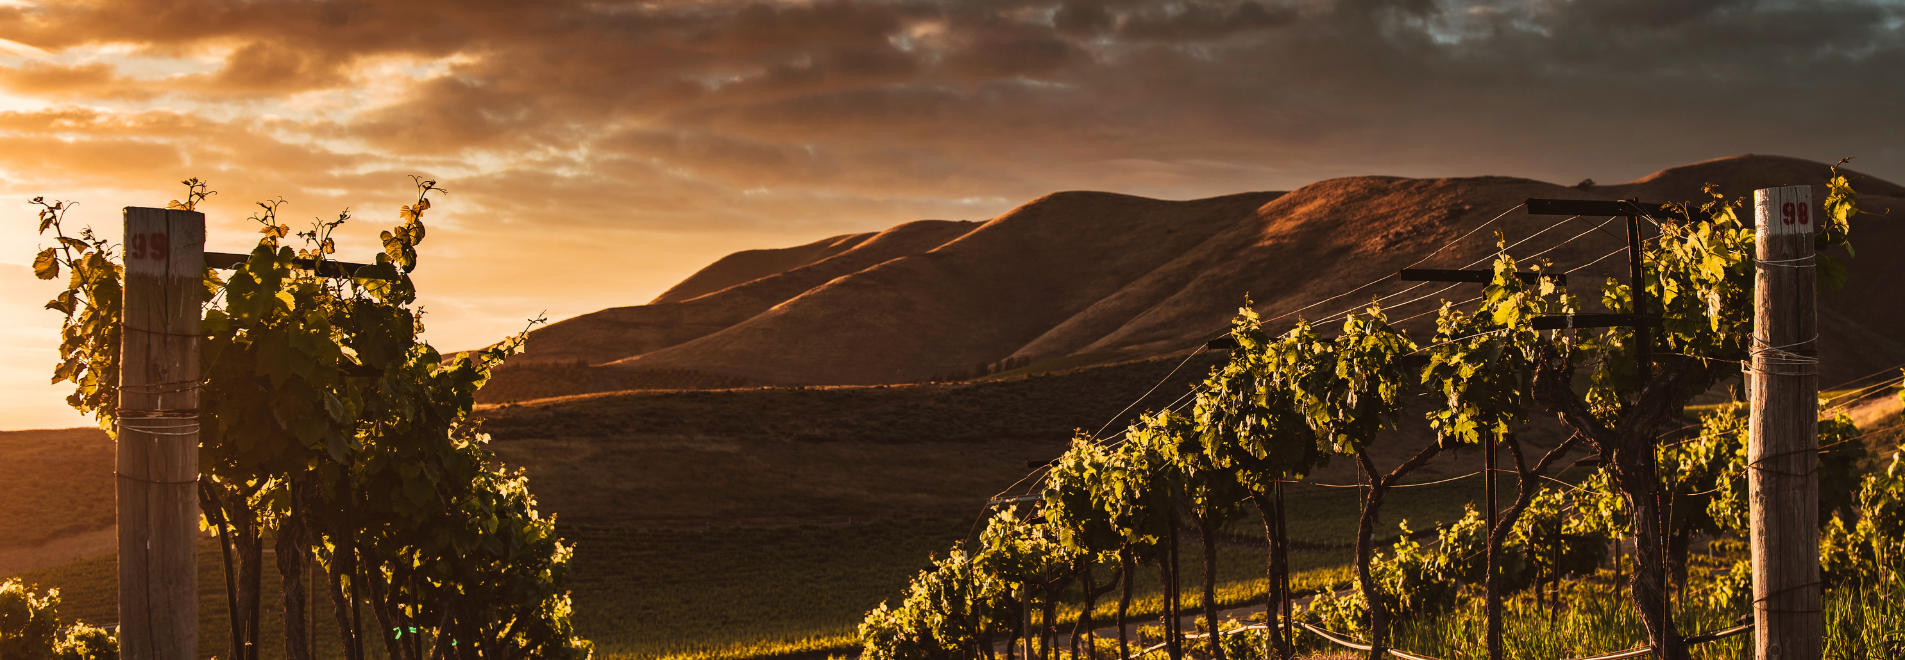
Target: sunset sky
(598,151)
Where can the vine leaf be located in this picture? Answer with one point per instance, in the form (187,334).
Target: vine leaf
(46,266)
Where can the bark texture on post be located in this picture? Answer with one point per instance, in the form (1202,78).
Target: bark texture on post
(157,461)
(1783,440)
(1491,584)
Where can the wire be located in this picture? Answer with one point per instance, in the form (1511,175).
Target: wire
(1037,475)
(1418,262)
(1473,264)
(1557,246)
(1596,261)
(1875,373)
(1101,430)
(1764,358)
(1174,405)
(1881,429)
(1147,393)
(1432,311)
(1605,256)
(1860,393)
(1428,483)
(1460,339)
(1425,297)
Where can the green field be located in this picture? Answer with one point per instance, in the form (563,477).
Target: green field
(87,593)
(755,592)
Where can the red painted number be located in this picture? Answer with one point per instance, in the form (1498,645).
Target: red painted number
(1805,215)
(1786,214)
(155,246)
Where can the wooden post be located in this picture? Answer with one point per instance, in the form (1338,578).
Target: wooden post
(1492,607)
(1025,600)
(158,434)
(1637,285)
(1783,445)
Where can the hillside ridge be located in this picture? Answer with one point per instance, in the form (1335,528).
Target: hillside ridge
(1116,277)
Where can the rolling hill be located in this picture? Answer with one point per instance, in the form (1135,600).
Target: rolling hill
(687,484)
(1088,277)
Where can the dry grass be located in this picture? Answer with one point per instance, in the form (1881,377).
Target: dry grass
(88,592)
(54,484)
(1078,273)
(525,381)
(770,455)
(777,454)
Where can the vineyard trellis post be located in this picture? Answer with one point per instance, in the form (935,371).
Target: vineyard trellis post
(1632,209)
(1492,596)
(1783,441)
(156,463)
(157,452)
(1491,563)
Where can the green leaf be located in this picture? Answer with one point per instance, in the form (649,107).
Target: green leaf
(335,407)
(338,448)
(418,491)
(216,323)
(274,357)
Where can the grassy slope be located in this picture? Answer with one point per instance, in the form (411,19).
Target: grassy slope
(803,454)
(55,484)
(751,591)
(776,455)
(920,457)
(738,592)
(88,593)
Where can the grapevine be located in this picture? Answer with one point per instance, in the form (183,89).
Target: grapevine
(1287,403)
(329,424)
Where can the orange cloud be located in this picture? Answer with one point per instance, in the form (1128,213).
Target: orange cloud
(642,139)
(96,80)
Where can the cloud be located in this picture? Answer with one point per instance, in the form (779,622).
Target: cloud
(652,136)
(1202,21)
(954,99)
(91,81)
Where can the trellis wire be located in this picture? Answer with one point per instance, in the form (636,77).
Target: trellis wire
(1038,474)
(1418,262)
(1473,264)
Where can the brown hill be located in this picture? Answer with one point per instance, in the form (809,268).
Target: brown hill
(980,298)
(620,332)
(1739,176)
(56,496)
(1094,277)
(782,454)
(749,265)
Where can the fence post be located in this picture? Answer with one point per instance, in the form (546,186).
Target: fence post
(157,461)
(1783,445)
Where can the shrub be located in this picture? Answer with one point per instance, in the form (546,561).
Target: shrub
(30,629)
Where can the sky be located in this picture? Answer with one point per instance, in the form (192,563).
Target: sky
(596,152)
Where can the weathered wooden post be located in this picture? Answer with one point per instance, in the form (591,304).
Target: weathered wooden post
(1783,445)
(158,434)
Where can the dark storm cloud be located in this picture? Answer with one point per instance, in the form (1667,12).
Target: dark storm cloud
(1012,98)
(599,150)
(1202,21)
